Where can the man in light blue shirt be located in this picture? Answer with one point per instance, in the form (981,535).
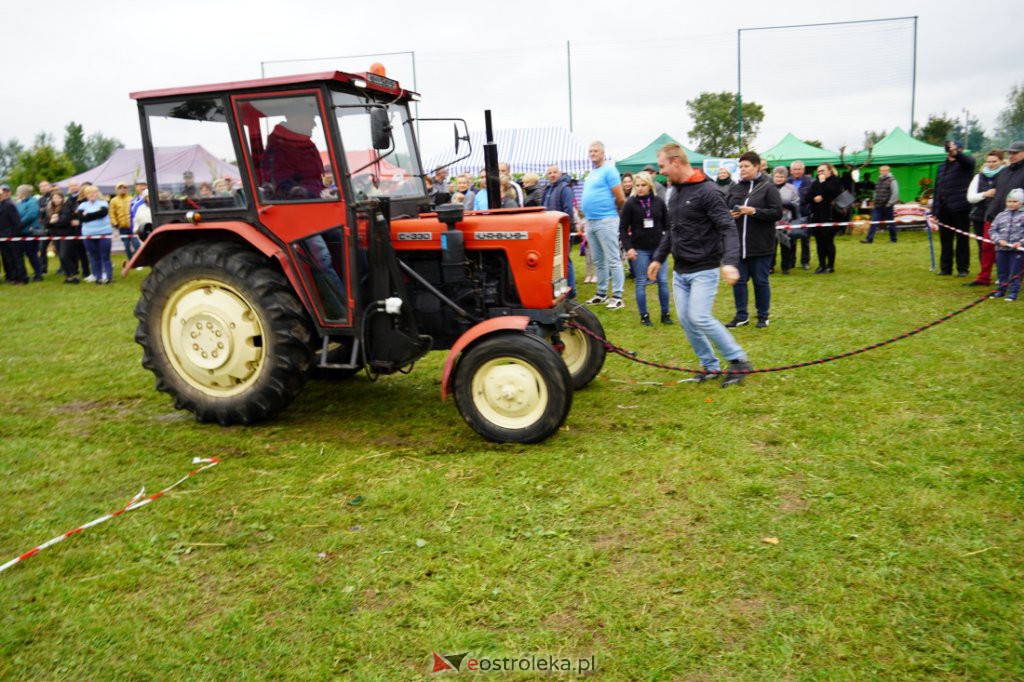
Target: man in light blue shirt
(601,201)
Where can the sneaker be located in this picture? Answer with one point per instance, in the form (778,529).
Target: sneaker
(805,266)
(645,320)
(997,294)
(961,274)
(762,323)
(820,271)
(37,278)
(597,299)
(1010,299)
(736,379)
(865,241)
(737,322)
(614,303)
(666,318)
(90,279)
(700,379)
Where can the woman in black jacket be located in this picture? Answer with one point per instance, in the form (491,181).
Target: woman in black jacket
(59,214)
(822,193)
(756,206)
(641,224)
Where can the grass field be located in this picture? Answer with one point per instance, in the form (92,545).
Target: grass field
(368,525)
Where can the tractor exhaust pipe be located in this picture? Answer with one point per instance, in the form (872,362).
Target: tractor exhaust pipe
(492,181)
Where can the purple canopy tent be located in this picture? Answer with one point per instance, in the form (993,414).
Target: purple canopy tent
(126,165)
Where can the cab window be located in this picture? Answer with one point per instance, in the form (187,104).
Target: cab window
(193,156)
(288,149)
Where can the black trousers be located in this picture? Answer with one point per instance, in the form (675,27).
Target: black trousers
(14,261)
(825,244)
(952,245)
(68,252)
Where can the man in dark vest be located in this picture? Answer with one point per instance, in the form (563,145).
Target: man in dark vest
(950,206)
(887,195)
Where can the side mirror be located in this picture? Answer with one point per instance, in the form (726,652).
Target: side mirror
(380,128)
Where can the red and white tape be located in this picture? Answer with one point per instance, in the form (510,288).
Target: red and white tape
(936,225)
(140,500)
(915,223)
(60,239)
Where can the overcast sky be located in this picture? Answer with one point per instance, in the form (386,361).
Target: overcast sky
(634,65)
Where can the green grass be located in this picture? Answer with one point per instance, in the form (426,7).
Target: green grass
(893,482)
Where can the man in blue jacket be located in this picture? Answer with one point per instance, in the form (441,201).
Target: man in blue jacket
(28,212)
(950,206)
(558,196)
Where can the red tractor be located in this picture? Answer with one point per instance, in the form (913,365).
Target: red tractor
(324,256)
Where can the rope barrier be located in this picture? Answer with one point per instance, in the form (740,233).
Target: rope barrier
(59,239)
(140,500)
(632,356)
(935,221)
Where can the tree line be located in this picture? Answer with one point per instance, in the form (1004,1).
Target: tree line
(43,160)
(715,115)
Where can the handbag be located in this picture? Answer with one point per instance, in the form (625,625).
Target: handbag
(844,201)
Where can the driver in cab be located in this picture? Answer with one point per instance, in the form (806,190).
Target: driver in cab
(291,160)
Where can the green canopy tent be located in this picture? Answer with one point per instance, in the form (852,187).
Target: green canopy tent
(791,148)
(635,163)
(910,160)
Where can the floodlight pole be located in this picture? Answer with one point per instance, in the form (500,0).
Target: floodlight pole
(913,81)
(568,57)
(739,90)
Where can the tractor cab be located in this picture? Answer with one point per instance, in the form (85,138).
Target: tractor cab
(294,235)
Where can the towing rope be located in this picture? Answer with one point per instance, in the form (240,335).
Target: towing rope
(632,356)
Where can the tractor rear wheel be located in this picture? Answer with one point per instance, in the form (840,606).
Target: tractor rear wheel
(583,354)
(513,388)
(223,333)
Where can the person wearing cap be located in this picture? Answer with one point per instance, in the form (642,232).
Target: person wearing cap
(1011,177)
(1007,231)
(659,189)
(188,185)
(11,252)
(138,198)
(121,217)
(950,206)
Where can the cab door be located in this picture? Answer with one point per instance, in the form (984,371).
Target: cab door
(288,149)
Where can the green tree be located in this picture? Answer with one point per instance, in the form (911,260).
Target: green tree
(99,147)
(74,146)
(973,136)
(42,162)
(714,123)
(873,137)
(937,130)
(1010,123)
(815,143)
(8,155)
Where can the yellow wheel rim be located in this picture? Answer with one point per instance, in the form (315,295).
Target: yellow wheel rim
(576,349)
(213,337)
(509,393)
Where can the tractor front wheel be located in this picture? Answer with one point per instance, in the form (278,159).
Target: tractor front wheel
(513,388)
(223,333)
(583,354)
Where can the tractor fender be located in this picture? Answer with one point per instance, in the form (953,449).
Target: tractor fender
(474,334)
(171,236)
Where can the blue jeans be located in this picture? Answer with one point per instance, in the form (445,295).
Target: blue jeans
(643,259)
(755,268)
(881,213)
(130,241)
(1008,266)
(603,238)
(99,258)
(695,295)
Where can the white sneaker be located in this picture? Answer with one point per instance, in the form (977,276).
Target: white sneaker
(597,299)
(90,279)
(104,281)
(615,303)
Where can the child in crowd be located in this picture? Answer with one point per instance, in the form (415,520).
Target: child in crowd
(1007,231)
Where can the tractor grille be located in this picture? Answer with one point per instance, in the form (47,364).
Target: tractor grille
(558,271)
